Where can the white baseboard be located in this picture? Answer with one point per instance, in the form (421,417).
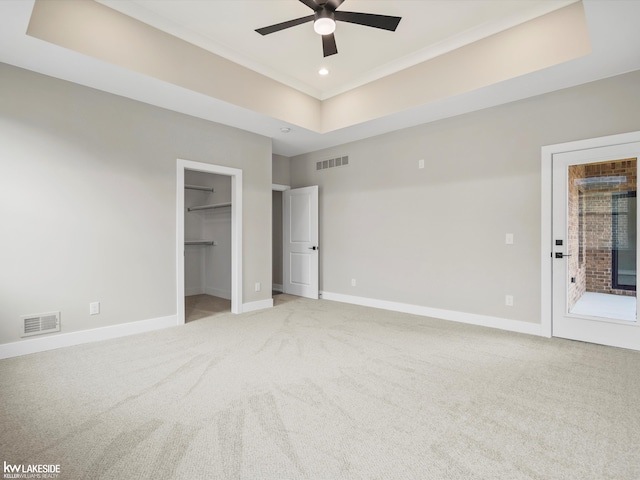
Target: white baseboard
(462,317)
(217,292)
(35,345)
(276,287)
(259,305)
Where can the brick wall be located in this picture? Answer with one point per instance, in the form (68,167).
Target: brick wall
(593,225)
(576,262)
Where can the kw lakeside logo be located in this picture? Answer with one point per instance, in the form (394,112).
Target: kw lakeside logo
(30,471)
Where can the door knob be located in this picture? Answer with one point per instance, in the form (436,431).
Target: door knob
(314,248)
(561,255)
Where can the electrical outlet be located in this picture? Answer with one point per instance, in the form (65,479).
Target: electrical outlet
(94,308)
(353,282)
(508,239)
(258,286)
(508,300)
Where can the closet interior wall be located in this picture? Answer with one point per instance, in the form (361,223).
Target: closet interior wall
(207,266)
(277,262)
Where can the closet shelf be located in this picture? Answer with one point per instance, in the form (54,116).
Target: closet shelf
(198,187)
(209,207)
(199,242)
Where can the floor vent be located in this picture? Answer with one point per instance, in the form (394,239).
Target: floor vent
(332,162)
(40,323)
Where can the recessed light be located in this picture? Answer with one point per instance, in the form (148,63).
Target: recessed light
(323,71)
(285,129)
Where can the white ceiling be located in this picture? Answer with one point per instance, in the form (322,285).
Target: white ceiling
(365,54)
(294,56)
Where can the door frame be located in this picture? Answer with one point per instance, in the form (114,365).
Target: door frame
(236,231)
(546,210)
(276,187)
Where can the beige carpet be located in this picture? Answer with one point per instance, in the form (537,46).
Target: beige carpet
(321,390)
(201,306)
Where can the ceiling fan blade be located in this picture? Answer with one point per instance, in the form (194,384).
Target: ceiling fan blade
(329,46)
(334,3)
(311,4)
(384,22)
(281,26)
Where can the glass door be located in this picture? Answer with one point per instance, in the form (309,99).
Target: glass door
(594,247)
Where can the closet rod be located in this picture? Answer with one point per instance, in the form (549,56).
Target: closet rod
(200,242)
(207,207)
(198,187)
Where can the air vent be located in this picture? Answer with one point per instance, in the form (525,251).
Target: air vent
(40,323)
(332,162)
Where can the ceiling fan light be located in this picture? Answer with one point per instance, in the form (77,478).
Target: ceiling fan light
(324,26)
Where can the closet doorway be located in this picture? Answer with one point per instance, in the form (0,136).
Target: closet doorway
(208,240)
(277,246)
(207,244)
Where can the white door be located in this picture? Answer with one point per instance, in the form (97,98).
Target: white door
(300,240)
(594,245)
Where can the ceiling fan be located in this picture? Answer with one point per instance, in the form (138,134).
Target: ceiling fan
(324,22)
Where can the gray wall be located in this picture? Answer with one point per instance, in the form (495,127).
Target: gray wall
(281,166)
(88,197)
(207,269)
(277,262)
(281,176)
(435,237)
